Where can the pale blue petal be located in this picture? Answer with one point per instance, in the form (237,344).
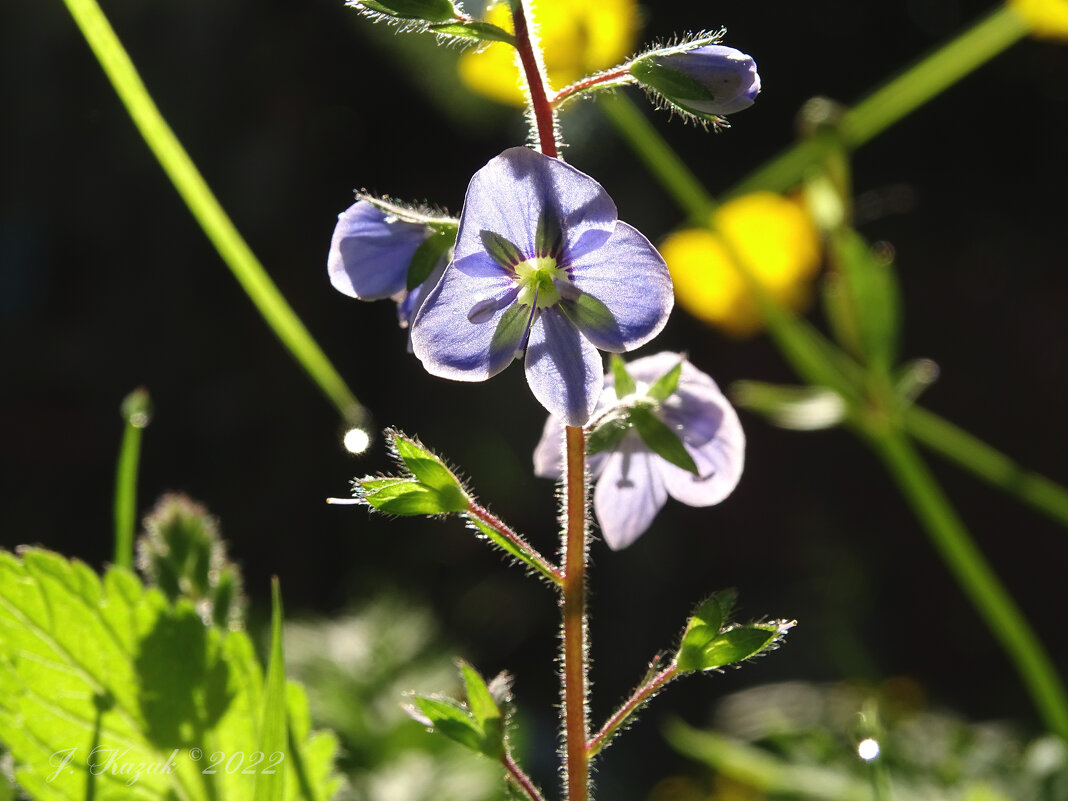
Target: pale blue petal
(563,368)
(719,463)
(449,344)
(370,252)
(629,279)
(410,303)
(628,494)
(508,195)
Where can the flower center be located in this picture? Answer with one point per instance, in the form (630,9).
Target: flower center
(537,279)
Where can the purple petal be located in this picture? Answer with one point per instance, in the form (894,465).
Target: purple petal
(370,252)
(508,195)
(628,279)
(409,303)
(563,368)
(450,345)
(719,462)
(728,74)
(629,493)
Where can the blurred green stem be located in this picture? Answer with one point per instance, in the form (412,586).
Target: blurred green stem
(896,99)
(972,572)
(659,158)
(136,412)
(992,466)
(206,209)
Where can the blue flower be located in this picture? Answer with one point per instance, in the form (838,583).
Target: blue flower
(633,482)
(711,80)
(542,269)
(372,249)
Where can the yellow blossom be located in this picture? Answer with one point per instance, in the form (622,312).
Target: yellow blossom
(578,37)
(776,239)
(1048,18)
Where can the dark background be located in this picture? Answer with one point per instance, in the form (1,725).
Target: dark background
(286,107)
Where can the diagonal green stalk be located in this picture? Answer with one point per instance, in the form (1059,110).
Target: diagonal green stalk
(205,208)
(973,573)
(896,99)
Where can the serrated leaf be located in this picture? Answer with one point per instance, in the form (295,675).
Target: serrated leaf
(105,663)
(665,386)
(661,440)
(408,497)
(479,31)
(624,383)
(451,719)
(428,256)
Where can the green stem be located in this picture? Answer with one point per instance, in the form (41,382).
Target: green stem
(206,209)
(974,575)
(991,465)
(136,411)
(659,157)
(894,100)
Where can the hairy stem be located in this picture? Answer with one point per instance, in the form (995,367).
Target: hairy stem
(576,728)
(630,706)
(541,110)
(521,779)
(536,560)
(602,80)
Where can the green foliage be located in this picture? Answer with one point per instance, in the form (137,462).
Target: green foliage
(479,725)
(661,440)
(421,10)
(801,408)
(710,642)
(624,384)
(429,488)
(182,553)
(474,30)
(108,690)
(428,256)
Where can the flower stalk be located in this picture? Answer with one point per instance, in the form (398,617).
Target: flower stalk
(573,604)
(637,700)
(534,71)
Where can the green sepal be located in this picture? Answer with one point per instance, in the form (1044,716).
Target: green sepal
(670,83)
(510,327)
(586,312)
(624,383)
(505,253)
(661,440)
(798,408)
(428,256)
(665,386)
(428,10)
(703,627)
(449,717)
(407,497)
(549,237)
(608,432)
(476,30)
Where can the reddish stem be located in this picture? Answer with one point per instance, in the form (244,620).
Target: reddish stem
(521,779)
(640,696)
(539,99)
(587,83)
(502,528)
(576,728)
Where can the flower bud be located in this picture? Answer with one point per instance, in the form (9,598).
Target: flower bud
(710,80)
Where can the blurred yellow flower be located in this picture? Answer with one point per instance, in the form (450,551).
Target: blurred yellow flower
(1048,18)
(776,239)
(578,37)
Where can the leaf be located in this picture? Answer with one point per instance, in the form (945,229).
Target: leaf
(735,645)
(661,440)
(273,734)
(425,466)
(448,717)
(703,627)
(428,256)
(429,10)
(479,31)
(624,383)
(485,709)
(106,663)
(665,386)
(797,408)
(407,497)
(510,547)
